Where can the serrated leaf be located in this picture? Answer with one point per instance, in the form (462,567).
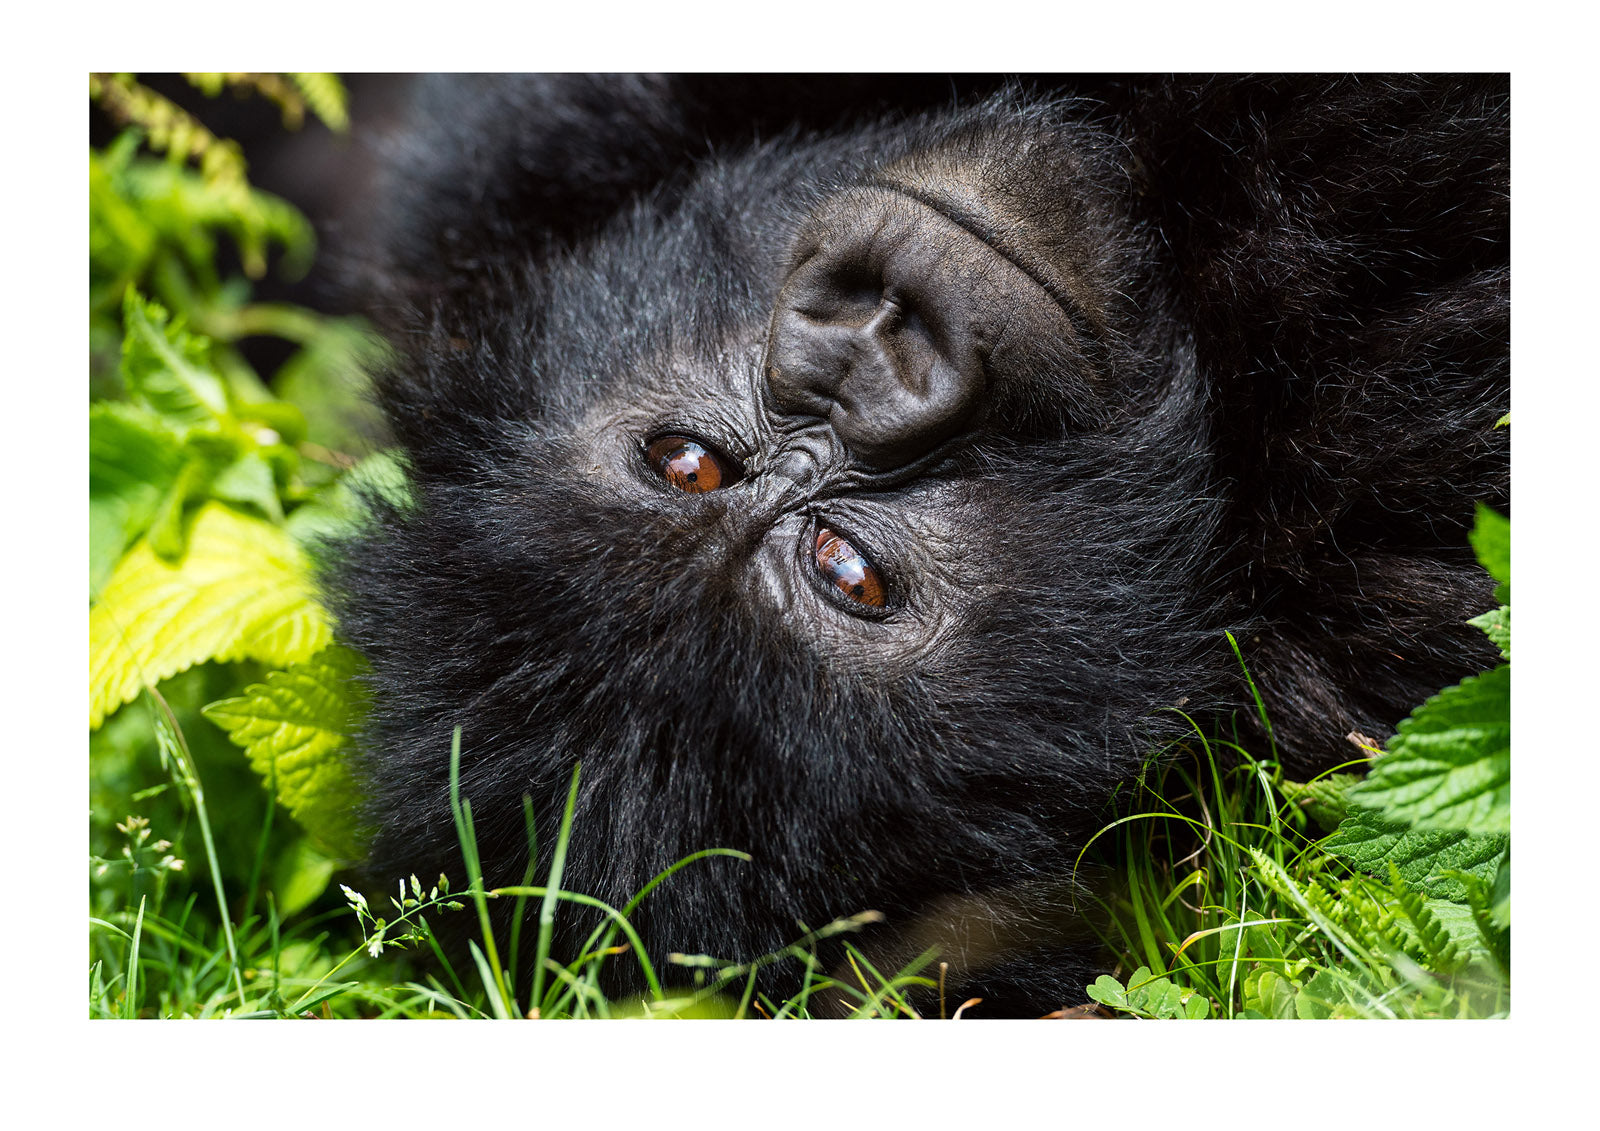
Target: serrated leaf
(1491,541)
(133,461)
(295,729)
(1449,764)
(1319,997)
(1455,920)
(165,367)
(248,480)
(1496,625)
(1370,844)
(1500,895)
(1323,800)
(338,508)
(240,591)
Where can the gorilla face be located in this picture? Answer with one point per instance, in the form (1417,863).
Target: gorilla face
(850,499)
(815,429)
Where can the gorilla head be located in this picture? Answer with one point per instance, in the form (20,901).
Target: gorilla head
(862,498)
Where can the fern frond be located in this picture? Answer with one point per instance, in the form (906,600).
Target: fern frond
(168,128)
(1443,954)
(285,92)
(326,96)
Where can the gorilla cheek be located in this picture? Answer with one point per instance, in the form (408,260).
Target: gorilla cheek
(895,323)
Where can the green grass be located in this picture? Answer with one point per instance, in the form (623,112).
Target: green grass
(1227,894)
(169,939)
(1225,906)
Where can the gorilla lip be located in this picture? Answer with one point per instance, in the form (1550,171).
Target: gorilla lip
(976,220)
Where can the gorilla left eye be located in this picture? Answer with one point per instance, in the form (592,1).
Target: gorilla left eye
(847,569)
(689,465)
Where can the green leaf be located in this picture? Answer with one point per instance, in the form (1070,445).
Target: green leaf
(1319,997)
(300,875)
(1491,541)
(240,591)
(166,368)
(1322,800)
(1108,991)
(325,94)
(1496,624)
(337,509)
(327,380)
(1270,993)
(1500,908)
(133,461)
(1449,764)
(1370,843)
(166,534)
(295,728)
(248,481)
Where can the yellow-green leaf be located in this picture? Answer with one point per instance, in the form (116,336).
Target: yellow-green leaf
(241,591)
(295,728)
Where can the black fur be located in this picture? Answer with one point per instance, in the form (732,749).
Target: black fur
(1272,414)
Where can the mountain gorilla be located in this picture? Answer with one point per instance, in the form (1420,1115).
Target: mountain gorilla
(859,472)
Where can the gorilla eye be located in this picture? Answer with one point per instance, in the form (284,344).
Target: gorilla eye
(689,465)
(847,569)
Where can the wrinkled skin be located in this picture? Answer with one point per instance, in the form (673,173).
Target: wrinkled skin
(1073,388)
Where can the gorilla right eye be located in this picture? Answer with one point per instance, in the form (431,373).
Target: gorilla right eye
(689,465)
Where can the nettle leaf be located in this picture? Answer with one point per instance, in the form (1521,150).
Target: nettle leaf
(134,460)
(249,481)
(1491,541)
(1496,624)
(1449,764)
(295,729)
(1322,800)
(338,508)
(240,591)
(1370,843)
(1500,895)
(166,368)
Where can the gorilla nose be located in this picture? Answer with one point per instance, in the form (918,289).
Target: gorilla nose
(887,325)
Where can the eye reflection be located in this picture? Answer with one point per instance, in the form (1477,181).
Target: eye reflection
(848,569)
(689,465)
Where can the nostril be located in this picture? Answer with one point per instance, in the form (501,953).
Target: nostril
(852,296)
(873,334)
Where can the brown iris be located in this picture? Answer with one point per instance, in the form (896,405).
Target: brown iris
(847,569)
(688,465)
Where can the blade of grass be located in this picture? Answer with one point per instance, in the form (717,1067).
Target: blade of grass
(130,1001)
(170,740)
(547,908)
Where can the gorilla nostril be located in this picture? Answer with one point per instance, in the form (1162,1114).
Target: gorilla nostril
(873,333)
(849,297)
